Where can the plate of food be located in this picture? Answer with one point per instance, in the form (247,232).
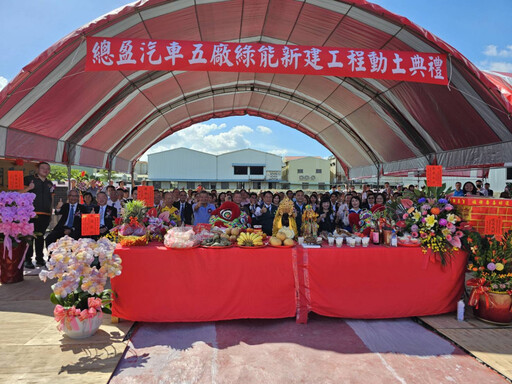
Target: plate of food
(252,246)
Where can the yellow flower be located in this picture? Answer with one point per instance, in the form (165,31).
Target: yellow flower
(430,221)
(499,267)
(445,232)
(416,215)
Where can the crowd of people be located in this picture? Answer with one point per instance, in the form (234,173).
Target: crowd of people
(334,207)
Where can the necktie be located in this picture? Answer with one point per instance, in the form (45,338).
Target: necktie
(182,209)
(102,215)
(71,215)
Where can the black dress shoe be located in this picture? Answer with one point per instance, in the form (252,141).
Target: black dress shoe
(29,265)
(40,263)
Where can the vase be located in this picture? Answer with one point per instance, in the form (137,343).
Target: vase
(86,328)
(11,268)
(498,311)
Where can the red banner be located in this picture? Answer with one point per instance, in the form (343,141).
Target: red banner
(15,180)
(91,224)
(146,193)
(115,54)
(434,176)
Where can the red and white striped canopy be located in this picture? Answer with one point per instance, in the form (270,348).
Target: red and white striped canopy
(55,111)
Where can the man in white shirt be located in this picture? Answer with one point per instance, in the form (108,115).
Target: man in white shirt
(113,200)
(107,213)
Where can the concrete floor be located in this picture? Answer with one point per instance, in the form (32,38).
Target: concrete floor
(326,350)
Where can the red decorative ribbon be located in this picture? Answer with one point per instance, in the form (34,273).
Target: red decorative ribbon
(478,290)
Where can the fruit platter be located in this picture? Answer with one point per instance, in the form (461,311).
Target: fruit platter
(218,240)
(180,238)
(250,240)
(282,239)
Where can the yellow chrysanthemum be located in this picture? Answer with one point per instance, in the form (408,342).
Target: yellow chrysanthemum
(499,267)
(416,215)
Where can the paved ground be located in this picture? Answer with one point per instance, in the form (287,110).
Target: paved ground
(325,350)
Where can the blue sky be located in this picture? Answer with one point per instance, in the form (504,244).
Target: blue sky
(480,30)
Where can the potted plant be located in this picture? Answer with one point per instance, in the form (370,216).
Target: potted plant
(16,210)
(81,268)
(491,266)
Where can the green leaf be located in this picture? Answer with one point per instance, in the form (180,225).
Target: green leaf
(56,300)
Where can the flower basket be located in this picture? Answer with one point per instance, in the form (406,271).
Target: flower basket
(11,268)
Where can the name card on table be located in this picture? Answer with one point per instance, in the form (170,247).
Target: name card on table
(15,180)
(91,224)
(493,226)
(434,176)
(146,193)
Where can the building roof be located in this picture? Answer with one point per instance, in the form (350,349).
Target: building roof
(55,111)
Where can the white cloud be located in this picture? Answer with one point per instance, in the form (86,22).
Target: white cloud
(279,152)
(264,130)
(3,82)
(205,138)
(493,51)
(496,66)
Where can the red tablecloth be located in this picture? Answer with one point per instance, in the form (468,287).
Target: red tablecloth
(378,282)
(162,285)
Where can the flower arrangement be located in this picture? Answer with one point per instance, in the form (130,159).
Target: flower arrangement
(81,268)
(16,210)
(133,219)
(490,262)
(158,224)
(429,217)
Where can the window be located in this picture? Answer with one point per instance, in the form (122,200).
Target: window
(157,184)
(240,170)
(300,170)
(240,185)
(256,185)
(213,186)
(509,173)
(318,171)
(321,186)
(285,186)
(305,186)
(271,186)
(256,170)
(224,185)
(205,185)
(191,185)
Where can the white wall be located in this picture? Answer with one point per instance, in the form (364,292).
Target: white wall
(225,169)
(182,164)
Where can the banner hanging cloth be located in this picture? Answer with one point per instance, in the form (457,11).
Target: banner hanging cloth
(116,54)
(146,193)
(434,175)
(15,180)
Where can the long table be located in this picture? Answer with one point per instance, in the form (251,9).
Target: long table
(168,285)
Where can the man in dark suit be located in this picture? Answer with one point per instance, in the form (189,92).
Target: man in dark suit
(107,213)
(70,222)
(184,208)
(300,206)
(266,213)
